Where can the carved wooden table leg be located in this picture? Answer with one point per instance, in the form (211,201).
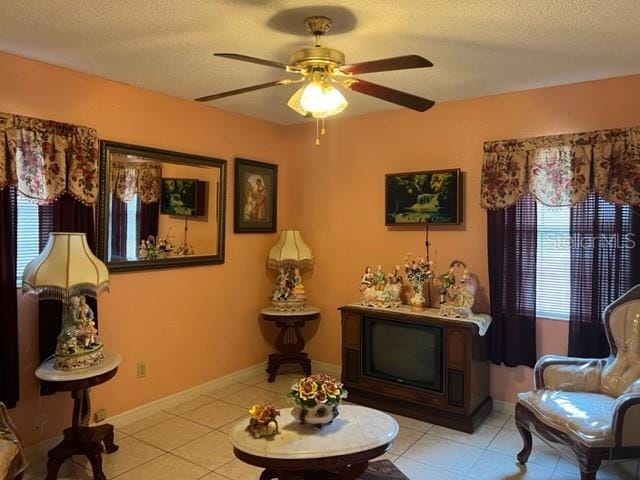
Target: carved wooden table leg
(81,439)
(290,341)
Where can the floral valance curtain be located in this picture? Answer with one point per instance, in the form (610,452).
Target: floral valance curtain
(561,170)
(44,159)
(128,179)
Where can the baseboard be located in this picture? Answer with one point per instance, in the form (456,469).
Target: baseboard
(41,448)
(504,407)
(177,398)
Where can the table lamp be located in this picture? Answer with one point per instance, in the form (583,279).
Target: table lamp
(66,270)
(289,256)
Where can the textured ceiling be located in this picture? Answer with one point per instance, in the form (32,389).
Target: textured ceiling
(479,47)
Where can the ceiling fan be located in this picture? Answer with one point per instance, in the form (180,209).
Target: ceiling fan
(320,68)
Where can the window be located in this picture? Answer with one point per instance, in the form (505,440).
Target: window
(553,257)
(553,262)
(132,228)
(28,235)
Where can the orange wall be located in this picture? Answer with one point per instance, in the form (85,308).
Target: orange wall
(337,190)
(176,320)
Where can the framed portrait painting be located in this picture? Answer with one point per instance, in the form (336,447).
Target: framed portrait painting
(255,205)
(414,198)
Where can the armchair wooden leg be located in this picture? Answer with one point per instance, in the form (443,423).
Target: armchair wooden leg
(589,465)
(527,440)
(587,475)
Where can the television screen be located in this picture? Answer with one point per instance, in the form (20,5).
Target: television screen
(405,353)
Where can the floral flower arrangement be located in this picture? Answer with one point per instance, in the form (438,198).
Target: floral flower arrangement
(317,389)
(263,421)
(418,272)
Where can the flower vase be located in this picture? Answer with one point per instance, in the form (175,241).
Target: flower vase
(417,301)
(318,416)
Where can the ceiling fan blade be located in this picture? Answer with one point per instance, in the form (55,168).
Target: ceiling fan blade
(216,96)
(390,95)
(259,61)
(386,64)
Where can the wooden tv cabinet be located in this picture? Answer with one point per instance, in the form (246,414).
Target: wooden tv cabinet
(463,402)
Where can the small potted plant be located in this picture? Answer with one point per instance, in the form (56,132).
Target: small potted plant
(316,399)
(263,422)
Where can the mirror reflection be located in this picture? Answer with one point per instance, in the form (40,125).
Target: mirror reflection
(160,208)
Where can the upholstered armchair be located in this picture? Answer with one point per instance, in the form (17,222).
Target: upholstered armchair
(12,459)
(590,405)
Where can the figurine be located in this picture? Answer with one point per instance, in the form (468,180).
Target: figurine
(378,289)
(78,344)
(379,278)
(298,287)
(288,290)
(367,278)
(457,292)
(281,289)
(263,421)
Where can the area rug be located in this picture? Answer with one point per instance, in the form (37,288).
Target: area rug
(383,470)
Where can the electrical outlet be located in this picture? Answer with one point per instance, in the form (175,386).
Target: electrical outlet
(141,369)
(100,416)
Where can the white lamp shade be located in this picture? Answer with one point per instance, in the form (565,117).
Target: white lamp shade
(290,249)
(65,268)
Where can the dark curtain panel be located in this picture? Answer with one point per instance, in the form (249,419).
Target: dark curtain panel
(148,218)
(65,215)
(605,244)
(9,372)
(118,228)
(512,241)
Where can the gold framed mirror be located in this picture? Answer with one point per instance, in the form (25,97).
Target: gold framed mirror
(159,209)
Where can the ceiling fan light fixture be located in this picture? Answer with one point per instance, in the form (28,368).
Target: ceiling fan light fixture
(294,102)
(333,102)
(312,99)
(322,99)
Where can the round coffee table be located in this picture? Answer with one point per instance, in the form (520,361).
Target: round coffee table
(340,450)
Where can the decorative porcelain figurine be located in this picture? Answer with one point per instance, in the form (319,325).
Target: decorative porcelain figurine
(379,289)
(288,290)
(79,345)
(263,421)
(457,291)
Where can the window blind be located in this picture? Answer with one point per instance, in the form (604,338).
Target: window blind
(553,272)
(28,235)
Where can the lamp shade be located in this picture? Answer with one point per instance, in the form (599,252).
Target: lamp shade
(290,250)
(64,269)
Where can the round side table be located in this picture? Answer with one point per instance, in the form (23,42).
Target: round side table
(80,438)
(340,450)
(289,341)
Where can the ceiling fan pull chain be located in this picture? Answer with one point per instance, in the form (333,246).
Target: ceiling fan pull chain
(323,131)
(317,131)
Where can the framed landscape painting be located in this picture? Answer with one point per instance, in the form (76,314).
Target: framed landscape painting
(414,198)
(182,197)
(255,197)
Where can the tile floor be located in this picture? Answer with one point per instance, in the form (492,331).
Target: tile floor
(189,442)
